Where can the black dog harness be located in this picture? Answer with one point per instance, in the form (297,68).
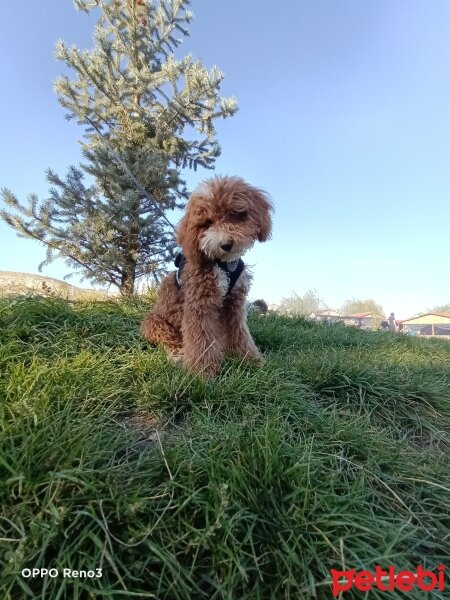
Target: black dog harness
(232,269)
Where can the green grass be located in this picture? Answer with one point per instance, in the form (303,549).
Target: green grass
(336,452)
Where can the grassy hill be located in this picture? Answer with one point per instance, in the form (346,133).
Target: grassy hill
(16,283)
(335,454)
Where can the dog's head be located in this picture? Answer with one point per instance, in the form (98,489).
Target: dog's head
(224,217)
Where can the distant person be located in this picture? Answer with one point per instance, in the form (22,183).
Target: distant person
(391,322)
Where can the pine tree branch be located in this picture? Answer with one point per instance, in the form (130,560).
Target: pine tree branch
(130,173)
(29,233)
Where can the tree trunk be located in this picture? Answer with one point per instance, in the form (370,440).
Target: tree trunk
(128,279)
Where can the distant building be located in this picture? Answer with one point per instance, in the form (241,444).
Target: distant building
(328,315)
(363,320)
(428,324)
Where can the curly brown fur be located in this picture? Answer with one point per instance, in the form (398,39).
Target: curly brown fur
(201,320)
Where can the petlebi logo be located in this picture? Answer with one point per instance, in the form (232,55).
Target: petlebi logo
(388,580)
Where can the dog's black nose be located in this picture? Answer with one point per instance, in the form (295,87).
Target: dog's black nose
(226,247)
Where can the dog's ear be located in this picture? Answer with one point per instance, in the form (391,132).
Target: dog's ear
(182,231)
(186,236)
(265,224)
(265,208)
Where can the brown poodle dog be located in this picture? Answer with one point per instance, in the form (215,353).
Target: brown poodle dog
(200,313)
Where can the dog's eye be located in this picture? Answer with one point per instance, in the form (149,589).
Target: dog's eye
(207,223)
(238,215)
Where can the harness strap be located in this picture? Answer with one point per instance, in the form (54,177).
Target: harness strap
(180,261)
(232,269)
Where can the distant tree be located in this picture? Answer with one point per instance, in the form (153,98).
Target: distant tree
(439,309)
(362,306)
(305,305)
(146,115)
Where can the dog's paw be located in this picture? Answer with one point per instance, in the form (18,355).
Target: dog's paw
(258,358)
(208,372)
(206,369)
(175,357)
(253,356)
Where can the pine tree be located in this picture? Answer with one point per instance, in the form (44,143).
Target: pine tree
(146,115)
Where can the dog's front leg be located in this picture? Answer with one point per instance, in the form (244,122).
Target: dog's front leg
(202,328)
(238,338)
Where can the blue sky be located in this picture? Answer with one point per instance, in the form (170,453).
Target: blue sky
(344,119)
